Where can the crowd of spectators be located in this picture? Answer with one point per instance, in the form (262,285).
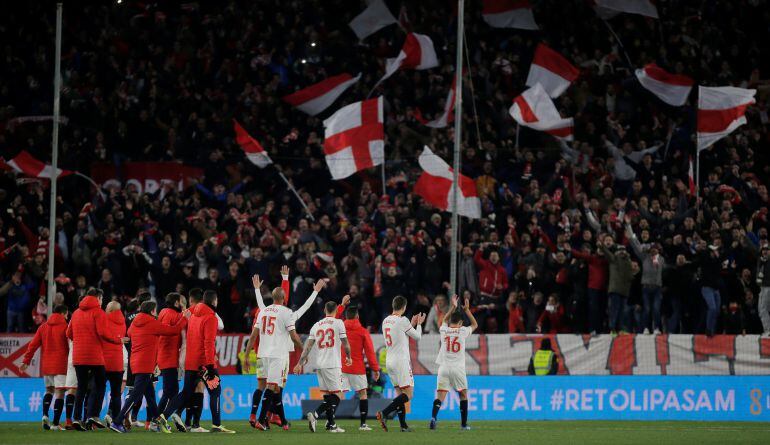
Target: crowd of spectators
(601,235)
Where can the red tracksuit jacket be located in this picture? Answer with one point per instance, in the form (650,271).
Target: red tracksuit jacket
(201,338)
(52,337)
(360,345)
(115,325)
(87,331)
(144,333)
(168,345)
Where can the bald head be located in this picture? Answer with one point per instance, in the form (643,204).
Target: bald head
(112,306)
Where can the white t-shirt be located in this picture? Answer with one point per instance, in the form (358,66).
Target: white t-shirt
(328,334)
(395,329)
(274,323)
(452,349)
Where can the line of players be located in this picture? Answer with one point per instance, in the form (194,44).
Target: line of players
(83,355)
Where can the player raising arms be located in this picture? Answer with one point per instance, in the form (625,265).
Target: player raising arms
(395,329)
(327,335)
(277,337)
(451,360)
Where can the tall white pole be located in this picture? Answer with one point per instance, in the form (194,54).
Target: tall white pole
(458,141)
(54,159)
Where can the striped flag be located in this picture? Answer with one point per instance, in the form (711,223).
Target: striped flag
(551,70)
(28,165)
(534,109)
(672,89)
(253,149)
(720,111)
(509,14)
(318,97)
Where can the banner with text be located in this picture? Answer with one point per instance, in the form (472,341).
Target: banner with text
(147,177)
(12,349)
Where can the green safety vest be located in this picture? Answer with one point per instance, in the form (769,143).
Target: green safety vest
(542,362)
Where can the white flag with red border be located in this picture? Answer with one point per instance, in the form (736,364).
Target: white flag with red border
(509,14)
(319,96)
(354,138)
(534,109)
(672,89)
(28,165)
(436,186)
(417,54)
(551,70)
(253,149)
(375,17)
(720,111)
(609,8)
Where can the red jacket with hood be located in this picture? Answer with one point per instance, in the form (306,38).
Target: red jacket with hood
(87,330)
(144,333)
(168,345)
(201,338)
(493,279)
(52,337)
(115,325)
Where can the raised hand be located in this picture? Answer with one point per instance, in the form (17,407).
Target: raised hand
(420,318)
(455,299)
(467,304)
(285,270)
(345,300)
(320,284)
(256,282)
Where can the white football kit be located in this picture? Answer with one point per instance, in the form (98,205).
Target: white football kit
(274,324)
(328,334)
(395,330)
(451,359)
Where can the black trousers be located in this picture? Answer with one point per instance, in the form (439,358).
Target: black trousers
(84,374)
(116,390)
(142,388)
(170,386)
(191,379)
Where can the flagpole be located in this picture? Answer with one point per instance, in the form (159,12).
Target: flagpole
(458,139)
(697,177)
(620,43)
(384,192)
(293,190)
(54,159)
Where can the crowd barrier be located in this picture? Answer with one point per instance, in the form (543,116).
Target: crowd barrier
(704,398)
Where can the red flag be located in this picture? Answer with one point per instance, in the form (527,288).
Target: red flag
(355,138)
(317,97)
(672,89)
(253,149)
(417,53)
(720,111)
(28,165)
(435,185)
(534,109)
(551,70)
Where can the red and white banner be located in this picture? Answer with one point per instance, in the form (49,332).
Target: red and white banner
(610,8)
(147,177)
(447,116)
(509,14)
(720,111)
(12,349)
(375,17)
(551,70)
(672,89)
(253,149)
(28,165)
(436,186)
(534,109)
(354,138)
(417,54)
(318,97)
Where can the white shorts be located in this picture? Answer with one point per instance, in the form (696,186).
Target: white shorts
(71,381)
(451,378)
(276,369)
(57,381)
(401,374)
(329,379)
(354,382)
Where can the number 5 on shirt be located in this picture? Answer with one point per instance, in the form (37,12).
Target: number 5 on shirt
(388,338)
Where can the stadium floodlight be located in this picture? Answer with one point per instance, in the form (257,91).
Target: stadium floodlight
(303,61)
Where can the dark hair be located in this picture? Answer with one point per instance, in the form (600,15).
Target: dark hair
(196,295)
(399,303)
(147,307)
(456,317)
(60,309)
(351,312)
(209,296)
(172,298)
(143,296)
(330,307)
(94,292)
(132,306)
(545,344)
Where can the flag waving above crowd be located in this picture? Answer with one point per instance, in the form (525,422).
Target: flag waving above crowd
(509,14)
(610,8)
(551,70)
(436,185)
(672,89)
(720,111)
(417,54)
(375,17)
(447,116)
(253,149)
(28,165)
(355,138)
(318,97)
(534,109)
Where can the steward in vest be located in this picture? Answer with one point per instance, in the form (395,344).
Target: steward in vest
(544,362)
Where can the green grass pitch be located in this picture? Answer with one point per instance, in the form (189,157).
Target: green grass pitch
(556,432)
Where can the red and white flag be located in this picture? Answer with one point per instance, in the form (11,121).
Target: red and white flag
(534,109)
(317,97)
(28,165)
(609,8)
(355,138)
(509,14)
(720,111)
(253,149)
(672,89)
(417,53)
(447,117)
(691,177)
(375,17)
(551,70)
(436,186)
